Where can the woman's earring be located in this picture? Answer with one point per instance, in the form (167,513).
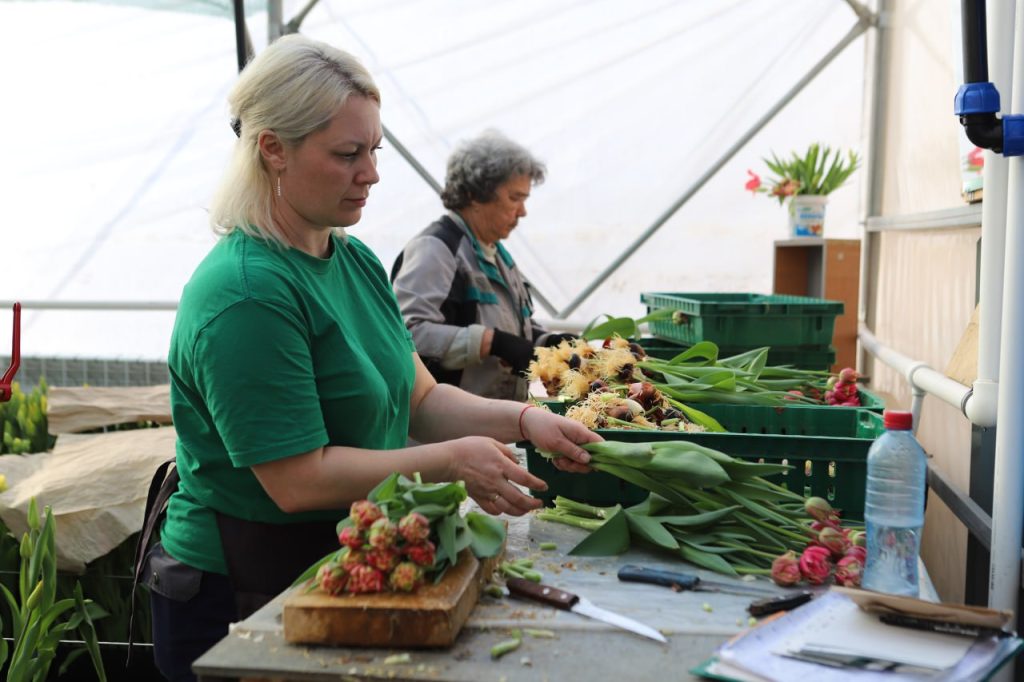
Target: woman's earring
(278,185)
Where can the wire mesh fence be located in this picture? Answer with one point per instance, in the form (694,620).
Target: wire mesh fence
(60,371)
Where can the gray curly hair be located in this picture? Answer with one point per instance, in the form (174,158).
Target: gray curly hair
(479,166)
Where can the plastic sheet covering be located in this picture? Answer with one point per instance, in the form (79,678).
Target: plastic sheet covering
(923,302)
(72,410)
(95,484)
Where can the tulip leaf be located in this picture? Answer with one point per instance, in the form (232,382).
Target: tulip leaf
(697,519)
(702,350)
(386,489)
(650,529)
(487,534)
(446,540)
(739,470)
(706,560)
(611,538)
(621,326)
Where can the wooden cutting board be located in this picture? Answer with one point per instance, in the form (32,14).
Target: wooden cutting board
(431,617)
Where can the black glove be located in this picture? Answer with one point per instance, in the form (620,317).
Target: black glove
(555,338)
(515,350)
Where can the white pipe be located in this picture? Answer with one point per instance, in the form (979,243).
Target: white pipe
(1008,488)
(981,408)
(921,377)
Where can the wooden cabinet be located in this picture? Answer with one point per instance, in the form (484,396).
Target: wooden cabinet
(829,269)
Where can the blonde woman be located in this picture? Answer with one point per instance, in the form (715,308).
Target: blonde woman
(295,385)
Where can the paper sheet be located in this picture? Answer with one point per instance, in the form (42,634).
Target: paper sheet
(844,628)
(756,652)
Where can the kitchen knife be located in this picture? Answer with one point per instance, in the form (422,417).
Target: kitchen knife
(567,601)
(678,580)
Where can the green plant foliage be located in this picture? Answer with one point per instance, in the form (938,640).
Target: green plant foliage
(818,171)
(39,619)
(23,419)
(704,506)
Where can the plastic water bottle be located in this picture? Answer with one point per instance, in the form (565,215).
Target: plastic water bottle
(894,507)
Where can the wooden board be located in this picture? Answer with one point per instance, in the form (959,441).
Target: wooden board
(432,617)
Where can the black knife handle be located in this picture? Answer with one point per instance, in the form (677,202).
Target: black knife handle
(640,574)
(560,599)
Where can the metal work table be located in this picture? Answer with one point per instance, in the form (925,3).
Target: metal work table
(695,623)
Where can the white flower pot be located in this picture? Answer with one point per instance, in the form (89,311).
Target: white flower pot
(807,215)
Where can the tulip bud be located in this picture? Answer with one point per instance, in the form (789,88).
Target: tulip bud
(859,552)
(26,546)
(857,538)
(848,571)
(816,565)
(834,541)
(819,509)
(786,569)
(35,596)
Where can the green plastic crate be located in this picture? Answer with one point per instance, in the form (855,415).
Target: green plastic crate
(833,466)
(745,320)
(805,357)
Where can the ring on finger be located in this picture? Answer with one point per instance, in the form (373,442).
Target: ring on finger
(495,497)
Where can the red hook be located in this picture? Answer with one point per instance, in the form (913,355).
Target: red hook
(5,382)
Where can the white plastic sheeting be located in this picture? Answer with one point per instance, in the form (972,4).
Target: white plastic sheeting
(117,133)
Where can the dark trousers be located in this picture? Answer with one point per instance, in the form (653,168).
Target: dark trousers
(190,616)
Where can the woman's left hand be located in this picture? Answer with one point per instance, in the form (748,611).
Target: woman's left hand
(554,433)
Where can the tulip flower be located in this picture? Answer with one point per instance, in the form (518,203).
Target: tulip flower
(786,569)
(816,564)
(848,571)
(834,541)
(819,509)
(754,183)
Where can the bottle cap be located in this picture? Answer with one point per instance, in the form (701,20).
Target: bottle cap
(897,420)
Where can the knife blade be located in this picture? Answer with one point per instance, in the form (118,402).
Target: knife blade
(678,580)
(567,601)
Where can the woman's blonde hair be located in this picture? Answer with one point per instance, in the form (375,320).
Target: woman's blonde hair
(294,87)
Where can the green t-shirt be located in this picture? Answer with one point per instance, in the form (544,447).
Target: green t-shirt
(275,353)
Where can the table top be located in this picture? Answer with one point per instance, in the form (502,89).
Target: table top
(694,623)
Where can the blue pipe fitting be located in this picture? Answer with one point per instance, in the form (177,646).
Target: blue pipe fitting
(1013,135)
(976,98)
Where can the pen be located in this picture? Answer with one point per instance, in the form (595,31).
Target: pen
(942,626)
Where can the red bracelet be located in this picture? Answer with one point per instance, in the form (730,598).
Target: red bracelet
(521,415)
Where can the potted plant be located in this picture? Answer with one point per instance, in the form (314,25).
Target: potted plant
(806,180)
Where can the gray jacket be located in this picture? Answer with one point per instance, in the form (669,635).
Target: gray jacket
(432,280)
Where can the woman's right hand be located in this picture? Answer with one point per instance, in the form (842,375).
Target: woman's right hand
(489,469)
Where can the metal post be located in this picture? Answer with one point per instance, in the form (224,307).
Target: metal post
(241,35)
(862,25)
(879,94)
(275,21)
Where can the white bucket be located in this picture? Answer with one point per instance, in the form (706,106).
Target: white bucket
(807,215)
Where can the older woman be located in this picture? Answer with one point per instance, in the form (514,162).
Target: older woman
(465,302)
(294,383)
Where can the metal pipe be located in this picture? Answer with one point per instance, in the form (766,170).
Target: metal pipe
(296,21)
(275,20)
(878,92)
(1008,488)
(95,305)
(412,161)
(855,32)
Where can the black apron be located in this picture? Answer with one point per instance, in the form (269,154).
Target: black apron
(263,559)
